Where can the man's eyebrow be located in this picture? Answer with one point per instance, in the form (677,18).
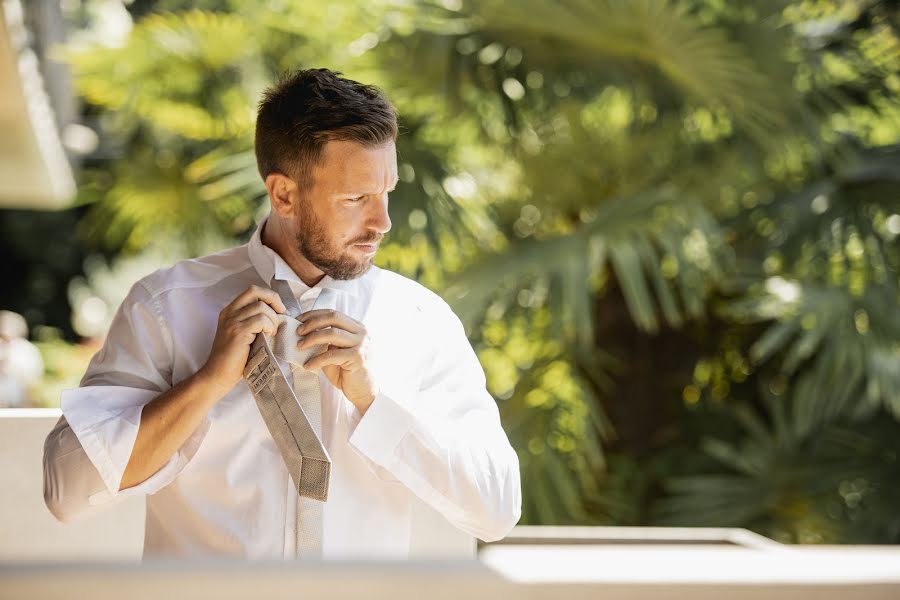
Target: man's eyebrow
(352,193)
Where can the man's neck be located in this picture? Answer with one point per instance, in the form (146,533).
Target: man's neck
(275,236)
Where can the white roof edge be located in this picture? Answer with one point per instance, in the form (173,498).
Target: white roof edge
(60,179)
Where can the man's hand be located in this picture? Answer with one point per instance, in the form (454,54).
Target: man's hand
(252,312)
(344,361)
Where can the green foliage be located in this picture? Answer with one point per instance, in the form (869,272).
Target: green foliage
(186,73)
(726,171)
(836,483)
(64,365)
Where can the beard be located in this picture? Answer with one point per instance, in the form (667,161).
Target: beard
(314,244)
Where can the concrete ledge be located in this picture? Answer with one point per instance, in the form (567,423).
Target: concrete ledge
(659,536)
(405,580)
(27,529)
(577,562)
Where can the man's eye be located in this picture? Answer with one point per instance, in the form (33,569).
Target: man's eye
(357,199)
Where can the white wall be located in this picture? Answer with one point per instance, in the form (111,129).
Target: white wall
(27,529)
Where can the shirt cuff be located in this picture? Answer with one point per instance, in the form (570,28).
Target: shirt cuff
(381,429)
(161,478)
(106,419)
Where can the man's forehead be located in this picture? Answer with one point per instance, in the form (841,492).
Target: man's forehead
(352,167)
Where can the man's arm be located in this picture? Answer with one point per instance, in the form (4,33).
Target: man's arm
(170,422)
(70,478)
(444,442)
(166,423)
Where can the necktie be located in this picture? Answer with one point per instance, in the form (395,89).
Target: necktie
(293,413)
(309,509)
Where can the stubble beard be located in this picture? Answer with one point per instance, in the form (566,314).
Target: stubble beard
(314,245)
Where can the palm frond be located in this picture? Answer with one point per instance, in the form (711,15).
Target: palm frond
(841,348)
(789,487)
(640,38)
(176,71)
(636,234)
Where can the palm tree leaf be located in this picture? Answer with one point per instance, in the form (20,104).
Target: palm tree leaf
(700,61)
(174,72)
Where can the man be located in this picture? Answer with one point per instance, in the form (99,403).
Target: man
(416,447)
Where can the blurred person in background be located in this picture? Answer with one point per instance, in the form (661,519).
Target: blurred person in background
(417,450)
(21,364)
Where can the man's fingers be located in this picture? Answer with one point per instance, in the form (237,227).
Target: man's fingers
(256,308)
(345,358)
(258,323)
(319,318)
(256,293)
(333,336)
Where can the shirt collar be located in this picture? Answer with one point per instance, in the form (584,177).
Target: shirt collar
(271,266)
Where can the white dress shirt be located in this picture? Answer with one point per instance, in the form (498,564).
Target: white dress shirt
(427,466)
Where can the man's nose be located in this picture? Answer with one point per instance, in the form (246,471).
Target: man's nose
(379,219)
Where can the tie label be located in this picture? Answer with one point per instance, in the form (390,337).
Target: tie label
(260,381)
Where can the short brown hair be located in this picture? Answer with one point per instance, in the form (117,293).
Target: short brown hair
(305,109)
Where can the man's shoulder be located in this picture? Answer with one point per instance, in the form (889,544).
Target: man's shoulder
(408,294)
(411,292)
(201,272)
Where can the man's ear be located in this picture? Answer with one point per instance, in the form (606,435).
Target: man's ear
(283,192)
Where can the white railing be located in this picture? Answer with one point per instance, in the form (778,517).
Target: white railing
(27,529)
(42,558)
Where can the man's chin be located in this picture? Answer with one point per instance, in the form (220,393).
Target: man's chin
(359,269)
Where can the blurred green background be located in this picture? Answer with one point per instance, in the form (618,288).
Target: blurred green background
(671,227)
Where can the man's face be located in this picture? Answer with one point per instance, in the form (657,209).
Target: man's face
(343,215)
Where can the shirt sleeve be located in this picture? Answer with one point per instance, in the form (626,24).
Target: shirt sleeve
(446,444)
(133,367)
(70,477)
